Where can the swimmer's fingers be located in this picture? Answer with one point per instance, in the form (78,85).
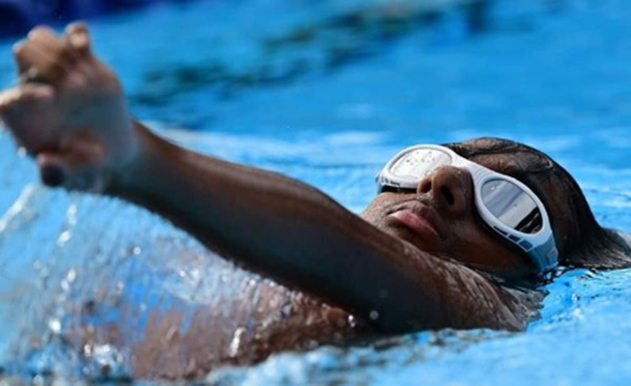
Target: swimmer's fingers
(29,113)
(43,57)
(75,165)
(23,102)
(78,38)
(51,44)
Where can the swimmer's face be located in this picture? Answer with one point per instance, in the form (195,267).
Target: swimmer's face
(441,218)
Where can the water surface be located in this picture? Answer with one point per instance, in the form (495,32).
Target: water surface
(324,93)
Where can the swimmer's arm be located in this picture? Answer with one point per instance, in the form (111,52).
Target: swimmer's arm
(70,115)
(301,237)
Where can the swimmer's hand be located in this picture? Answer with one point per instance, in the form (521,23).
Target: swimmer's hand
(68,111)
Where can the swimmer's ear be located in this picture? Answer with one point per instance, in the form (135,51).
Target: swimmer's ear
(78,37)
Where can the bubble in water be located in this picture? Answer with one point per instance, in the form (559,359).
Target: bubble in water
(133,251)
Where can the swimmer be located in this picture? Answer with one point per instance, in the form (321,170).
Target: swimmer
(458,236)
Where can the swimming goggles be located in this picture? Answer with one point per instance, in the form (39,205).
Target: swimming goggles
(508,206)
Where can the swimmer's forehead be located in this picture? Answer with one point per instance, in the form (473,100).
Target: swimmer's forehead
(504,156)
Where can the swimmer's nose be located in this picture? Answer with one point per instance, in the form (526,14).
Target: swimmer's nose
(449,187)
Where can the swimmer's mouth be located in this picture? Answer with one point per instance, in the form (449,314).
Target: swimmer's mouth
(419,218)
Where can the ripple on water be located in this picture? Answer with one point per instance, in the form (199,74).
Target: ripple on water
(74,266)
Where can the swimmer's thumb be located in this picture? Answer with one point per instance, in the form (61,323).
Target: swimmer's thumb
(51,169)
(76,166)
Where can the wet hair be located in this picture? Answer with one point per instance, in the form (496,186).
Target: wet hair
(586,243)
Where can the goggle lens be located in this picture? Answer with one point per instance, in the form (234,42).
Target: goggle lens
(512,206)
(506,201)
(500,199)
(416,164)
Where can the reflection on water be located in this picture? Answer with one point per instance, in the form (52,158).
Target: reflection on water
(84,279)
(312,47)
(329,41)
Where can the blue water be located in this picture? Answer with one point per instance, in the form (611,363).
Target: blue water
(275,84)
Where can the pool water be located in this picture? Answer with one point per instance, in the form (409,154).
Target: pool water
(326,92)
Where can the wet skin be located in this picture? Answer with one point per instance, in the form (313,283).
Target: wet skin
(414,260)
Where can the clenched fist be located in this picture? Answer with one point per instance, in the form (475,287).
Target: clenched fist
(68,111)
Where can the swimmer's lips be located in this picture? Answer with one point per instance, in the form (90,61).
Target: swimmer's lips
(421,219)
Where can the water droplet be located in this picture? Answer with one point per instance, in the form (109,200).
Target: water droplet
(233,350)
(54,325)
(133,251)
(71,214)
(374,315)
(39,380)
(311,344)
(72,276)
(285,311)
(171,333)
(64,237)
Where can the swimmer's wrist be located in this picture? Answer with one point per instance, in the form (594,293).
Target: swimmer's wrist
(143,170)
(128,170)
